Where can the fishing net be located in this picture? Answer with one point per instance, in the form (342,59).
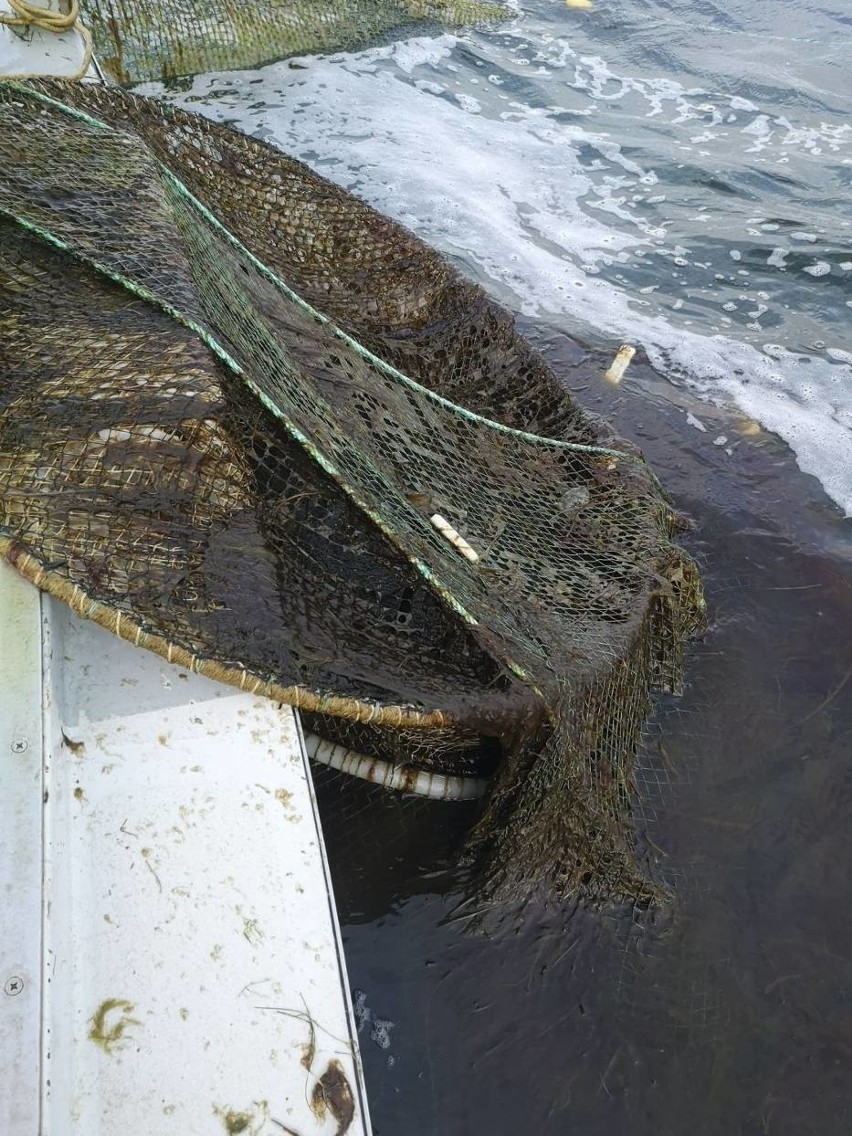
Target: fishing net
(141,40)
(234,400)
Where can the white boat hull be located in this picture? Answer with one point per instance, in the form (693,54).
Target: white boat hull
(171,960)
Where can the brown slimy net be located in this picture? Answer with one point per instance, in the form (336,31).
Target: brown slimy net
(234,399)
(141,40)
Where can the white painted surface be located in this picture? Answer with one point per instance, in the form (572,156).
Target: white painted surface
(20,854)
(33,51)
(187,908)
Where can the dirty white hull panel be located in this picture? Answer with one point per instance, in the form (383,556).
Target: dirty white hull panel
(171,960)
(25,52)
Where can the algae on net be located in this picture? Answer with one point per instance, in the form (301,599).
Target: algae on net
(139,41)
(212,447)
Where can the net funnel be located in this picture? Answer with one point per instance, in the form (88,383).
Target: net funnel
(234,400)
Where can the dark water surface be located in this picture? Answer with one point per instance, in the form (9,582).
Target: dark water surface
(731,1012)
(677,176)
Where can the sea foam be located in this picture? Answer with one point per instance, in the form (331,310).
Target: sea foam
(552,216)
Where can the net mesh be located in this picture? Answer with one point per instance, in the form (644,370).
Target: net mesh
(240,473)
(142,40)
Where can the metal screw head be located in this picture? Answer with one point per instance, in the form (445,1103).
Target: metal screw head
(19,745)
(13,985)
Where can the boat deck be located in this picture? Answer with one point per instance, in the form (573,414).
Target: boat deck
(171,958)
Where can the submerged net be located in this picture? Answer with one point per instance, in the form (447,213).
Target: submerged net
(141,40)
(242,477)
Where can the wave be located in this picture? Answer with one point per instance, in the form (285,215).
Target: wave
(494,150)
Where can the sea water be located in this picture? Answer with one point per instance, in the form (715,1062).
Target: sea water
(674,176)
(667,174)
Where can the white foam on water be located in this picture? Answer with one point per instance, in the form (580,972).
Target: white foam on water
(507,194)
